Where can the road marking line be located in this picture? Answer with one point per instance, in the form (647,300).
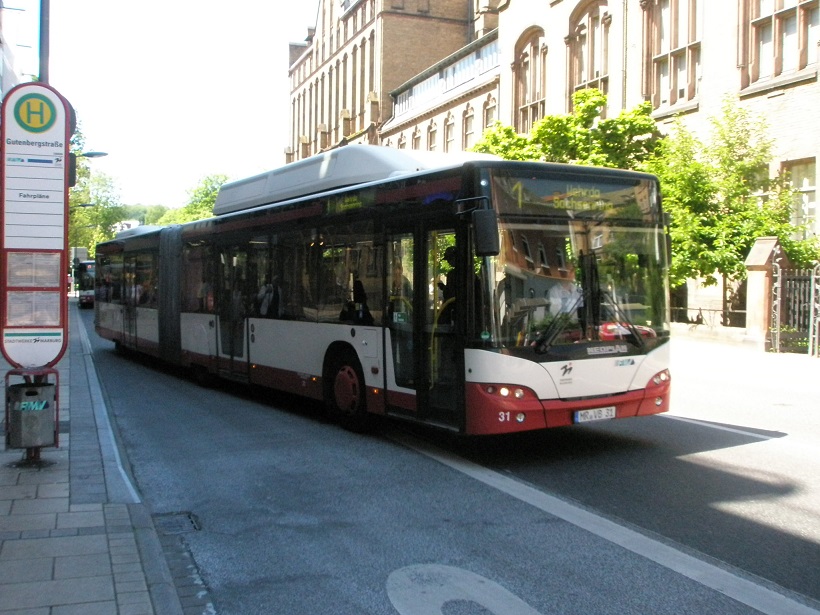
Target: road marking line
(709,575)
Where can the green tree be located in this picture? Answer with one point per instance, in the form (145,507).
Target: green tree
(94,205)
(688,193)
(146,214)
(502,140)
(721,198)
(200,204)
(581,137)
(153,214)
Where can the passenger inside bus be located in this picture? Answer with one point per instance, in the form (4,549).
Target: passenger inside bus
(448,289)
(356,311)
(401,292)
(269,299)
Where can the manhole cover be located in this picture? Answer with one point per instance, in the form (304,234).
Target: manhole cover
(176,523)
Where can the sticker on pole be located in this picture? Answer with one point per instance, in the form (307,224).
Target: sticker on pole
(33,226)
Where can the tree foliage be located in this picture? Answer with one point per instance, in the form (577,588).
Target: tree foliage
(146,214)
(95,208)
(200,204)
(721,198)
(94,204)
(581,137)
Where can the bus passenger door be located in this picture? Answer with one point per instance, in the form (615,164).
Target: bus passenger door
(129,301)
(400,322)
(233,296)
(442,355)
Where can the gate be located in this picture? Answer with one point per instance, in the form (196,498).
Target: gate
(795,323)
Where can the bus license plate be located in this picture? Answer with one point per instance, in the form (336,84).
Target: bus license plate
(595,414)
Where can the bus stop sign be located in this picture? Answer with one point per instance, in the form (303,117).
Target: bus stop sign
(33,226)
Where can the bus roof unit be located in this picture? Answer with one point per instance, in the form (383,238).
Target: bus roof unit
(345,166)
(140,229)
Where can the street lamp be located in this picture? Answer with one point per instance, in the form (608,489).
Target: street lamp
(72,164)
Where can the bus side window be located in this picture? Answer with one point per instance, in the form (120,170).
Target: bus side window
(199,294)
(295,250)
(115,278)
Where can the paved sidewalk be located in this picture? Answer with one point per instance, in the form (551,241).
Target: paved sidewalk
(74,535)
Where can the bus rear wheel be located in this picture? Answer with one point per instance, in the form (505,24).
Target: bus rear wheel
(345,391)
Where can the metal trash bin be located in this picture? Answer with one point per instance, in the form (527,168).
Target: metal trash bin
(31,414)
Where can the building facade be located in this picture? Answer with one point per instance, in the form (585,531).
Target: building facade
(419,74)
(359,52)
(8,75)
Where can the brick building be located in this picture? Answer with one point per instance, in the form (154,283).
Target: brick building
(423,74)
(359,52)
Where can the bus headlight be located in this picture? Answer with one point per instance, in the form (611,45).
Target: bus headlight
(505,391)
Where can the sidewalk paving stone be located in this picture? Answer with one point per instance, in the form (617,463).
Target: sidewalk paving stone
(67,547)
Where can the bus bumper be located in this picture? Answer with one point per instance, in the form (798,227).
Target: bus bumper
(488,414)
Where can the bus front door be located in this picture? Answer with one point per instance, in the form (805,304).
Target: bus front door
(232,307)
(442,351)
(422,346)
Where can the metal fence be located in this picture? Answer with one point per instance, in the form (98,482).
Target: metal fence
(795,318)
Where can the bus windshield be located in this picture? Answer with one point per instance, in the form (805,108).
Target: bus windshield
(583,259)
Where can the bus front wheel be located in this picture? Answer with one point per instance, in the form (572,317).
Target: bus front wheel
(345,391)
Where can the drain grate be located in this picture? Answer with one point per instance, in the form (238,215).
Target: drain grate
(176,523)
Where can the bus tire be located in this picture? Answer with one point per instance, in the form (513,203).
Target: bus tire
(345,391)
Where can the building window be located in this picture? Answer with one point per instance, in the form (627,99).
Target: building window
(468,134)
(542,259)
(588,48)
(449,133)
(530,79)
(803,177)
(781,37)
(674,49)
(490,109)
(417,139)
(432,135)
(525,246)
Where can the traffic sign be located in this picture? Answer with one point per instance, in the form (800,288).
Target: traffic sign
(33,223)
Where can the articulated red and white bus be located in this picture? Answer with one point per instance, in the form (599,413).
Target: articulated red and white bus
(478,295)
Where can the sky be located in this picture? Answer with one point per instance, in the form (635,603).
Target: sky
(172,90)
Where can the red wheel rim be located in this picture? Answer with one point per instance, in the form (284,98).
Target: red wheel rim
(346,389)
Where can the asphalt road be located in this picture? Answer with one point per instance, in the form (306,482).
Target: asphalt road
(732,471)
(713,510)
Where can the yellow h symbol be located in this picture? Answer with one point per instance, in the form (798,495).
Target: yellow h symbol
(35,113)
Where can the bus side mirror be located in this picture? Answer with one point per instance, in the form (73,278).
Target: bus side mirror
(485,226)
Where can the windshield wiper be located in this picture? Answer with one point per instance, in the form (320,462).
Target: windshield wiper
(542,343)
